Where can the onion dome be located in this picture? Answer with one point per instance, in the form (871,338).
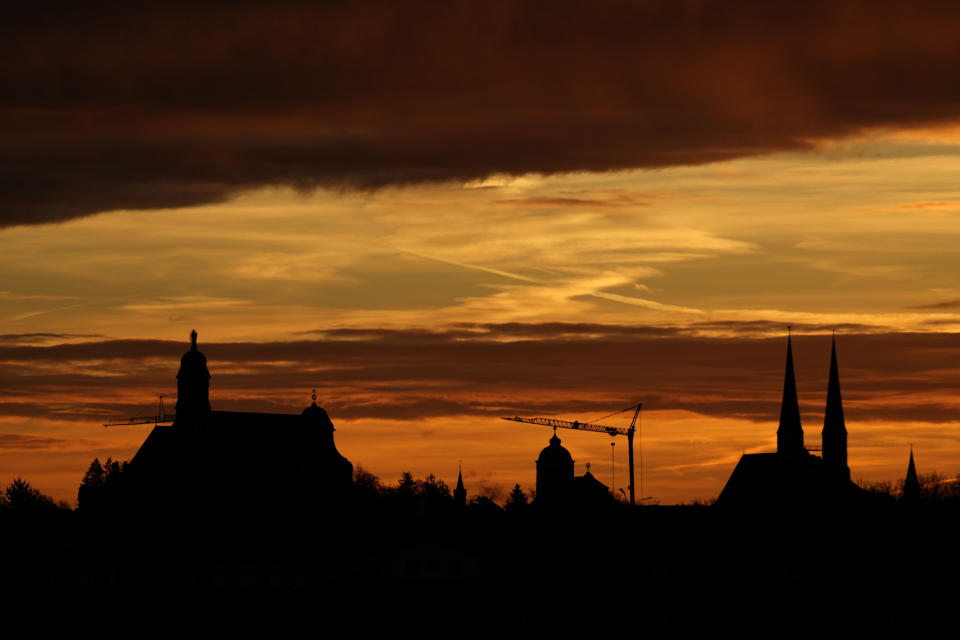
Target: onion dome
(555,455)
(316,416)
(333,470)
(554,473)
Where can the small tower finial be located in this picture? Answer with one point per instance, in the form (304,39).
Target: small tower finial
(314,396)
(193,340)
(788,329)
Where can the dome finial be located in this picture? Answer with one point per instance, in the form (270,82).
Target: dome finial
(314,396)
(193,340)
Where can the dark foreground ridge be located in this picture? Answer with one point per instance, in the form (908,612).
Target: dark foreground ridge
(224,511)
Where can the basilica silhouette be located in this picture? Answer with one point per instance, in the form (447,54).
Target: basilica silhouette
(236,459)
(793,476)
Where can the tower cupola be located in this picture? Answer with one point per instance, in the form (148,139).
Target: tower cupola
(193,382)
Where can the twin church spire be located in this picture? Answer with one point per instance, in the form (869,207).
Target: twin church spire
(790,433)
(834,435)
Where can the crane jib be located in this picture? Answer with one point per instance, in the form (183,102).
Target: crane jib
(599,428)
(566,424)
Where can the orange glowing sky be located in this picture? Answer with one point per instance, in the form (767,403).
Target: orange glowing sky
(485,222)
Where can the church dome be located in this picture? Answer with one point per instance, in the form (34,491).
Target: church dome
(193,359)
(332,469)
(554,473)
(555,454)
(317,415)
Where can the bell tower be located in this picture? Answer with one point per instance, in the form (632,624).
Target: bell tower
(193,382)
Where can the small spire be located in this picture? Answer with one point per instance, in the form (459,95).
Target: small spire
(460,493)
(314,396)
(193,340)
(911,484)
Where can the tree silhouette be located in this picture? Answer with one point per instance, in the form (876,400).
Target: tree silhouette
(20,496)
(406,484)
(95,475)
(517,500)
(102,484)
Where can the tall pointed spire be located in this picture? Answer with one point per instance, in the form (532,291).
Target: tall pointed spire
(460,493)
(911,484)
(790,433)
(834,435)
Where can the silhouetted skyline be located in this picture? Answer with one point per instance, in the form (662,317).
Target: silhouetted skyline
(437,215)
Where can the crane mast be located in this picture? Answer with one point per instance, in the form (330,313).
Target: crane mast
(596,428)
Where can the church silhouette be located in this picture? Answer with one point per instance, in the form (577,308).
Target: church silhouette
(793,476)
(557,486)
(236,459)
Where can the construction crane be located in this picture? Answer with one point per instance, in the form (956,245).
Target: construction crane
(598,428)
(160,418)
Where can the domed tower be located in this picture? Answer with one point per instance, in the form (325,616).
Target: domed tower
(554,472)
(193,382)
(333,469)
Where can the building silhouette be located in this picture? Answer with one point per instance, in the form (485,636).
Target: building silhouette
(558,486)
(911,483)
(237,459)
(794,476)
(460,492)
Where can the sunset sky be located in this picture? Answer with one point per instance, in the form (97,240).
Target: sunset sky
(438,214)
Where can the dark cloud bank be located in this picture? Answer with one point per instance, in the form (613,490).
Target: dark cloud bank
(126,105)
(584,370)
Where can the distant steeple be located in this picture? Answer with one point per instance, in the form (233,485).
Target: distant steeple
(911,484)
(834,435)
(460,493)
(193,382)
(790,433)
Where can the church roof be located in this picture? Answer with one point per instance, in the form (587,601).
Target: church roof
(241,458)
(772,480)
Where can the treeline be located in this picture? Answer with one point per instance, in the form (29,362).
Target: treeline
(935,488)
(430,496)
(19,496)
